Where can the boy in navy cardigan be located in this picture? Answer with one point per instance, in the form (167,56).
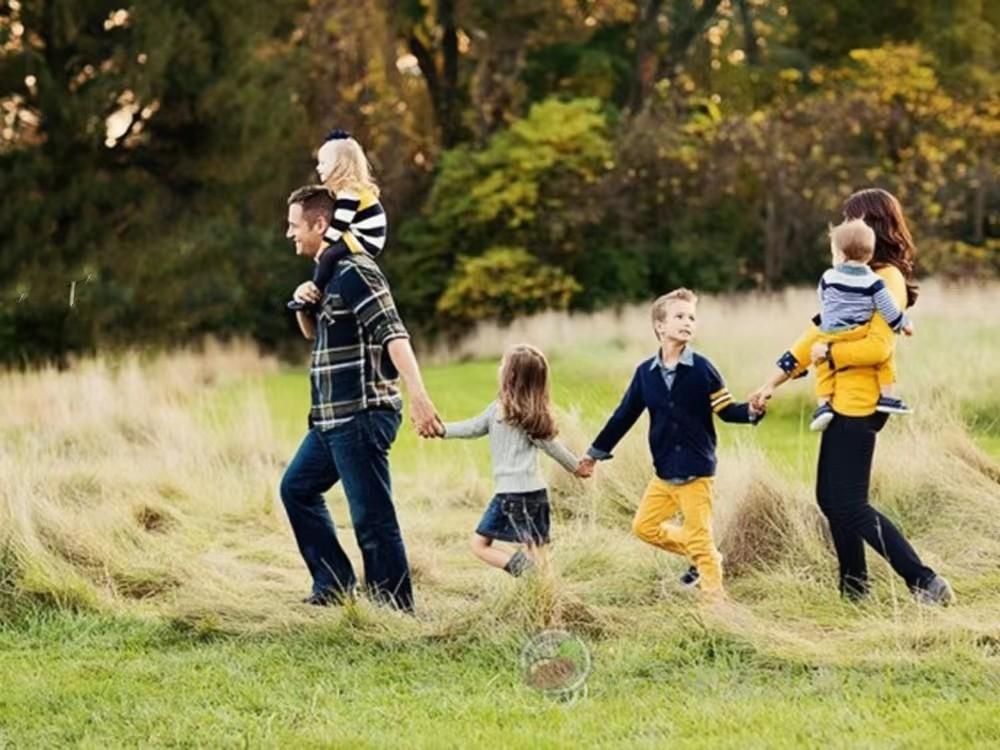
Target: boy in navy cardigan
(681,389)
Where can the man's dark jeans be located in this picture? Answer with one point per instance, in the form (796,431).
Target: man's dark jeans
(357,454)
(842,482)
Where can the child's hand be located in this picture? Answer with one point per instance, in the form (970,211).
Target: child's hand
(585,469)
(908,328)
(307,293)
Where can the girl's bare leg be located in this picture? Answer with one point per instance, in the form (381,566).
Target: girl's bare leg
(482,547)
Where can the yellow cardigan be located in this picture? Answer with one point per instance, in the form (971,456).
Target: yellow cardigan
(856,388)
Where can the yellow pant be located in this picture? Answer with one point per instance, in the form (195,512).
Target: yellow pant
(693,539)
(886,370)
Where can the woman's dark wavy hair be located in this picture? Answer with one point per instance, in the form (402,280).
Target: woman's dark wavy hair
(893,243)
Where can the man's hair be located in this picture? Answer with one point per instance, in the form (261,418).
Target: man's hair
(316,202)
(662,305)
(854,239)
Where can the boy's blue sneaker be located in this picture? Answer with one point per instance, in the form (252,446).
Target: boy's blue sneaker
(821,418)
(690,577)
(888,405)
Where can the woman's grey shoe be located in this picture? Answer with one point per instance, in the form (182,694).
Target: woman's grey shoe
(937,591)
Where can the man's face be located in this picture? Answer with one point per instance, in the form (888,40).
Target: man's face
(308,238)
(680,322)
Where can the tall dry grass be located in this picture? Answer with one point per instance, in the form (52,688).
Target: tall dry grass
(956,350)
(127,487)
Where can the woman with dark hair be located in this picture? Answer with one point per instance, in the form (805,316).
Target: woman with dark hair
(843,475)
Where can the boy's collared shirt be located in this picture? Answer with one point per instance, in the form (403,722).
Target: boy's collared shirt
(351,370)
(681,402)
(669,373)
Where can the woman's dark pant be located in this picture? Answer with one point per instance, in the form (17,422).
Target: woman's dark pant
(842,481)
(356,454)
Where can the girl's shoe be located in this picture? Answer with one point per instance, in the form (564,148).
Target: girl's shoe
(888,405)
(821,418)
(519,564)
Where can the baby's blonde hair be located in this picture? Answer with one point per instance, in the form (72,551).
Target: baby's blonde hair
(853,239)
(351,169)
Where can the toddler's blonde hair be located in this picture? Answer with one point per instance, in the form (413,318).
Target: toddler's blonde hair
(351,169)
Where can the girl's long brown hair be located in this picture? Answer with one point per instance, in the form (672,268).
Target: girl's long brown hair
(893,242)
(524,392)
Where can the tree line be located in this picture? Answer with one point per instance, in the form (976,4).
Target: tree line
(573,154)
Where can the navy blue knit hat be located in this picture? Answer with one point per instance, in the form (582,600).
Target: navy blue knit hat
(336,135)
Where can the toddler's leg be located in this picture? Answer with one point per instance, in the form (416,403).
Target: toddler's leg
(888,402)
(824,382)
(887,375)
(824,392)
(657,505)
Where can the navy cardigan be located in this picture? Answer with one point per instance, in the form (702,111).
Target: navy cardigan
(681,430)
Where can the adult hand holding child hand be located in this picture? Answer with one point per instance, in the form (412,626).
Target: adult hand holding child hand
(424,418)
(759,398)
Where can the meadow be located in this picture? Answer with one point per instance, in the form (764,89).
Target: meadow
(150,585)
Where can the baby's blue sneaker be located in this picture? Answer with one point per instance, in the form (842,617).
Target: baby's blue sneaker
(888,405)
(821,418)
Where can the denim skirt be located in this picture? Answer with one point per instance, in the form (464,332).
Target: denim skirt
(519,517)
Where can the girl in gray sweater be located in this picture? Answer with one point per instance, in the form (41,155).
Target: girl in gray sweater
(519,424)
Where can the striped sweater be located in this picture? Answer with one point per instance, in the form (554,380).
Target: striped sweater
(360,221)
(850,294)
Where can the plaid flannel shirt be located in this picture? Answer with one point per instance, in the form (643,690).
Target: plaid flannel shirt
(351,371)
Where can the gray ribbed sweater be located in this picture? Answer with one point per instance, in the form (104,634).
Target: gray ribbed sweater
(515,455)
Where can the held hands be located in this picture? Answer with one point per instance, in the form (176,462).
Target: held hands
(424,418)
(307,293)
(759,398)
(585,468)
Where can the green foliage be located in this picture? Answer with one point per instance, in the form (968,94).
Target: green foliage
(155,217)
(503,283)
(531,186)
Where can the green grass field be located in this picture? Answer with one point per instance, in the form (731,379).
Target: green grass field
(149,581)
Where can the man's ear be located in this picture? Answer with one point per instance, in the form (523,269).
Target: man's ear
(321,224)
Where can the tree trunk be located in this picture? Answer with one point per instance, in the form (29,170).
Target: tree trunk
(749,35)
(685,26)
(645,66)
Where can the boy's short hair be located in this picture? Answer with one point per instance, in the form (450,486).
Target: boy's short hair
(662,304)
(854,239)
(315,200)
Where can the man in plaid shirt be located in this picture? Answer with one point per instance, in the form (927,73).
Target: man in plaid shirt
(360,351)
